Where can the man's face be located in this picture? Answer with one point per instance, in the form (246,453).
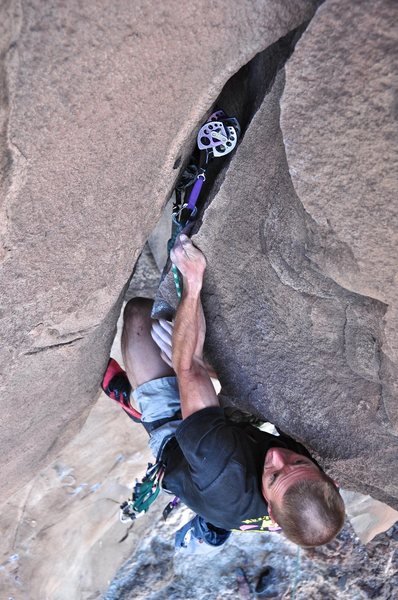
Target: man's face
(283,468)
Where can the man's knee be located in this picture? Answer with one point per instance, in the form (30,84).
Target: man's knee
(137,310)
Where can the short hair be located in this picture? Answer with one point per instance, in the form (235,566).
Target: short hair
(311,512)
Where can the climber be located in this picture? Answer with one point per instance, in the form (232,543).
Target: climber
(234,476)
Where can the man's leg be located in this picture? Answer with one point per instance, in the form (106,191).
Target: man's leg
(155,386)
(141,355)
(200,537)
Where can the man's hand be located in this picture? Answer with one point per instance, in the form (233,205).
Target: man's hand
(192,264)
(162,335)
(189,260)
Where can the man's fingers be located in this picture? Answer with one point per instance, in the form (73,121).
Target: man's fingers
(161,343)
(162,332)
(188,259)
(166,359)
(181,246)
(184,238)
(166,325)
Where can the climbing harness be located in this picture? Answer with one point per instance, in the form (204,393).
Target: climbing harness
(264,523)
(216,138)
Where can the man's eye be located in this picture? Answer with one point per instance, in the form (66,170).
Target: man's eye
(299,462)
(272,478)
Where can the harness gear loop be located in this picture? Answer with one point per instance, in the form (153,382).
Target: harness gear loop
(147,490)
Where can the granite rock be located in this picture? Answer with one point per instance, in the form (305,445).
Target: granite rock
(340,129)
(301,243)
(290,343)
(98,108)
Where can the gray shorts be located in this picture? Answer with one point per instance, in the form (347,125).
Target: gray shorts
(159,399)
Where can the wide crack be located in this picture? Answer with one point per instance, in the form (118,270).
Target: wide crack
(241,97)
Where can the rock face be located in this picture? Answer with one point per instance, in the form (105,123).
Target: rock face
(60,534)
(340,128)
(99,107)
(76,499)
(290,343)
(300,292)
(343,569)
(99,103)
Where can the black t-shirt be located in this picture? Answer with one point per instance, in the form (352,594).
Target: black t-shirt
(215,466)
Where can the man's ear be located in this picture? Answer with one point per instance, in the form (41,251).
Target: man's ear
(270,512)
(274,524)
(334,482)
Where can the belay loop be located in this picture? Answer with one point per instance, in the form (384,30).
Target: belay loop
(216,138)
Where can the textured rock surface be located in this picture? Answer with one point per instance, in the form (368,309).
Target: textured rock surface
(289,342)
(340,127)
(342,570)
(98,104)
(325,366)
(76,499)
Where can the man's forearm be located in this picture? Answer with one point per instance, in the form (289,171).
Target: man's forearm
(189,330)
(196,388)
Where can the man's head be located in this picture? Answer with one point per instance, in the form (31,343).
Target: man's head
(301,498)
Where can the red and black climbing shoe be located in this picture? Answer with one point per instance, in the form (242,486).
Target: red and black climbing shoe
(117,386)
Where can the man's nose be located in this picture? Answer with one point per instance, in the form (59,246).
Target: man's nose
(278,458)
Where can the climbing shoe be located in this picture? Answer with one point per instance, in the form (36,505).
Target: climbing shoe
(116,385)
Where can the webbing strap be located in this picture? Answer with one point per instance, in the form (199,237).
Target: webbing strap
(177,228)
(194,195)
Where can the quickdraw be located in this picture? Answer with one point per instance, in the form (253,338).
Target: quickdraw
(216,138)
(144,494)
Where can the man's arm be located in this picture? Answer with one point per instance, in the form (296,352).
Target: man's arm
(196,388)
